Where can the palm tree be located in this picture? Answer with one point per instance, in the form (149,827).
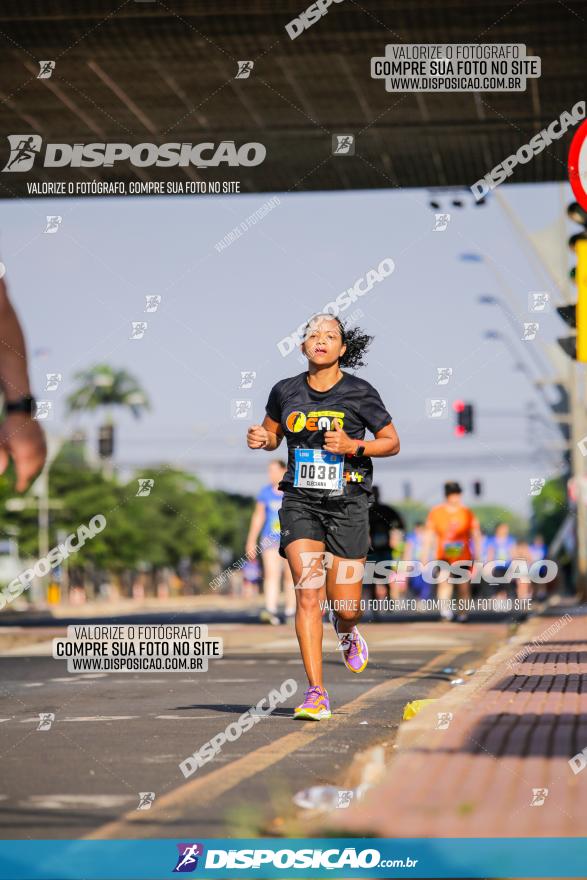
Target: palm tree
(102,386)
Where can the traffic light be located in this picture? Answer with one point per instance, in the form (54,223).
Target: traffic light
(464,413)
(106,441)
(576,315)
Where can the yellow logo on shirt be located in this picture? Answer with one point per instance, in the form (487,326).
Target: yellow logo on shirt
(321,420)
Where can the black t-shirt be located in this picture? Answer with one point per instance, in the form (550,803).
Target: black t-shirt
(304,414)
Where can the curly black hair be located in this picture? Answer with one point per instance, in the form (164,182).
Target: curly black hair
(355,340)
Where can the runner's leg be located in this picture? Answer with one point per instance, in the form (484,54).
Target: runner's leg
(344,587)
(344,580)
(308,577)
(289,593)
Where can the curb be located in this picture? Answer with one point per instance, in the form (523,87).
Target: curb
(15,637)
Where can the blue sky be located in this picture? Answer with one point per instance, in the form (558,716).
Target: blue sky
(221,313)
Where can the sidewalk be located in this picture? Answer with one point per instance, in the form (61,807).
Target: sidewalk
(30,625)
(122,606)
(499,767)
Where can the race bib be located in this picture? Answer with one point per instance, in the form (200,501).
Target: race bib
(316,469)
(452,549)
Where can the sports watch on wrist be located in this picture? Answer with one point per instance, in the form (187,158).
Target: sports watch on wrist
(359,451)
(26,405)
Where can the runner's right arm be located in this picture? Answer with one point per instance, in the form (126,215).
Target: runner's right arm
(266,436)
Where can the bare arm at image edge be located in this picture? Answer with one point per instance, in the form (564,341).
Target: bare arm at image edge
(21,438)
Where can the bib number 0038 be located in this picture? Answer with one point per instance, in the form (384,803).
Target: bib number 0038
(316,469)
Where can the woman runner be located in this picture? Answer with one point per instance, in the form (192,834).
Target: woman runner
(323,414)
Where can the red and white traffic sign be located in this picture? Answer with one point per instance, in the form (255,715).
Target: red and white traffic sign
(577,164)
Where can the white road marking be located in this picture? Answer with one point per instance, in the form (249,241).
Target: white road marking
(33,684)
(83,718)
(233,680)
(71,801)
(186,717)
(159,759)
(68,679)
(101,718)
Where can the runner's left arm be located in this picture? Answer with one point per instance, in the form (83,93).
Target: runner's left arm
(386,442)
(377,420)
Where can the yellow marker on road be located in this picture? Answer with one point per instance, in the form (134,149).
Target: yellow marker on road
(412,709)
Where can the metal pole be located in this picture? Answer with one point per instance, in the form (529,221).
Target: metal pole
(578,460)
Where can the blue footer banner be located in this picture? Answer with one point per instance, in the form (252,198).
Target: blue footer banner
(302,858)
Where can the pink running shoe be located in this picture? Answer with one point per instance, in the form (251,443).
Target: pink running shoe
(355,652)
(316,705)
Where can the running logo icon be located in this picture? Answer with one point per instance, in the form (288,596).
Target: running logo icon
(187,860)
(343,145)
(23,151)
(53,223)
(241,409)
(245,68)
(437,408)
(538,300)
(344,799)
(441,222)
(53,381)
(443,720)
(138,329)
(146,799)
(46,69)
(443,375)
(46,719)
(43,410)
(539,795)
(536,485)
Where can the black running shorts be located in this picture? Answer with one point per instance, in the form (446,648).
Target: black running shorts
(341,525)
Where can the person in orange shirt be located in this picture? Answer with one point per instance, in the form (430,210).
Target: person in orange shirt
(453,535)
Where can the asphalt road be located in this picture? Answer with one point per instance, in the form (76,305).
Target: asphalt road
(118,734)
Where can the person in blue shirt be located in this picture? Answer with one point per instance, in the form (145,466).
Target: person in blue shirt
(263,539)
(538,548)
(501,550)
(501,546)
(413,553)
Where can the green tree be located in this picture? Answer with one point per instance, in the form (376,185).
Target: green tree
(102,386)
(549,509)
(489,515)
